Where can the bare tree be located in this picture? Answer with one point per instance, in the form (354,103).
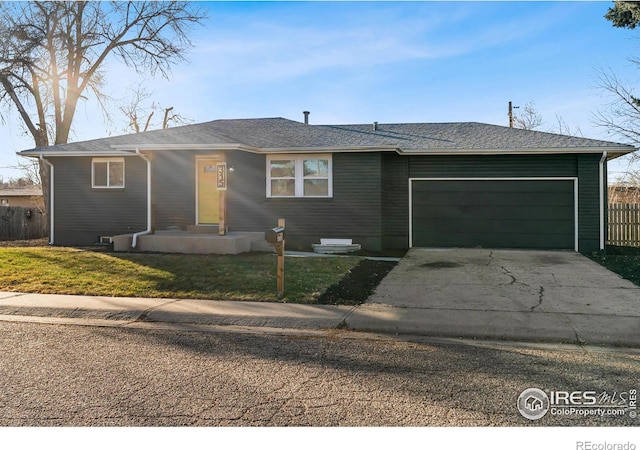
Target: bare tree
(622,113)
(563,128)
(53,54)
(621,117)
(529,118)
(140,113)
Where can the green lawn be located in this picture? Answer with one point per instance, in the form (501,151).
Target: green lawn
(625,261)
(58,270)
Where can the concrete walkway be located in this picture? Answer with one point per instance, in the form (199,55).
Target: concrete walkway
(483,294)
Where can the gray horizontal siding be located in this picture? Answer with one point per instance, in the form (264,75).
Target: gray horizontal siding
(493,166)
(395,200)
(588,203)
(83,213)
(354,211)
(174,186)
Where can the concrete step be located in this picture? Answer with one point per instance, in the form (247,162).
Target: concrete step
(190,243)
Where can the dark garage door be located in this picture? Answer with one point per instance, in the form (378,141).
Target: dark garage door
(493,213)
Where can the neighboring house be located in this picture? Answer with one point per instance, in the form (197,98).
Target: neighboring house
(24,196)
(382,185)
(624,194)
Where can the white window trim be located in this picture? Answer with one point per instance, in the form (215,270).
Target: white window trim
(299,174)
(107,160)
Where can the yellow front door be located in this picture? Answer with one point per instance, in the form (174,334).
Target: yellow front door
(208,195)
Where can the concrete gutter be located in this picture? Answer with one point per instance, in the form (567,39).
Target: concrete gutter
(545,327)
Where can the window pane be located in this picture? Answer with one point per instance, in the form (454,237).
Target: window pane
(283,168)
(283,188)
(316,188)
(116,174)
(316,168)
(100,173)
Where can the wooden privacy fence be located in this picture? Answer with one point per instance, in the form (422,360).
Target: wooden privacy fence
(624,224)
(18,223)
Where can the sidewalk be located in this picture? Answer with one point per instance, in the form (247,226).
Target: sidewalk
(372,317)
(209,312)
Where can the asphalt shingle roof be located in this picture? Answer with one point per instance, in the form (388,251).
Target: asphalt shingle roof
(279,133)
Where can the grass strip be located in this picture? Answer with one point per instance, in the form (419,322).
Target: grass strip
(252,276)
(625,261)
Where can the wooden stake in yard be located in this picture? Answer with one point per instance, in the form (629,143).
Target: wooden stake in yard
(280,269)
(275,237)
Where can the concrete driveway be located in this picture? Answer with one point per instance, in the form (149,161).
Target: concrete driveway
(505,294)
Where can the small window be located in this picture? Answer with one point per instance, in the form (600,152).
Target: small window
(316,177)
(4,201)
(283,177)
(300,176)
(107,172)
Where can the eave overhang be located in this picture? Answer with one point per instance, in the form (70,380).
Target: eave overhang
(128,149)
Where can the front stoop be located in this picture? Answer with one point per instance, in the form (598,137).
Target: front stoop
(191,243)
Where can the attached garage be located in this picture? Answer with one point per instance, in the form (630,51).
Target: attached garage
(531,213)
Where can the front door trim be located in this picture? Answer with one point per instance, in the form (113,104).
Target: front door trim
(198,159)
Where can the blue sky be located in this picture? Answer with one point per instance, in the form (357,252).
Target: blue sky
(359,62)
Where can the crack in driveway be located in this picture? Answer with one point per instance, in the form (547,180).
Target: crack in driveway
(540,298)
(490,258)
(514,280)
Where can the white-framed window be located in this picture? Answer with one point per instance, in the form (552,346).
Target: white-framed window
(107,173)
(299,176)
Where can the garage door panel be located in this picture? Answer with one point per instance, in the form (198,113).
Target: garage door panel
(493,213)
(515,240)
(525,185)
(491,198)
(475,212)
(498,226)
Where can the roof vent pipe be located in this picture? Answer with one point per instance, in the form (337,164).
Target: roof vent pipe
(306,117)
(375,126)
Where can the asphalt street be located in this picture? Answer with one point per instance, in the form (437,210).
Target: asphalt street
(162,375)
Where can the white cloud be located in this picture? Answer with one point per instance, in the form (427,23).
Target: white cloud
(277,50)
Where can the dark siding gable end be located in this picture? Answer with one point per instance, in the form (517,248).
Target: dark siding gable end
(83,214)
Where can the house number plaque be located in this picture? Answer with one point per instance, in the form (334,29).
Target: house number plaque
(222,176)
